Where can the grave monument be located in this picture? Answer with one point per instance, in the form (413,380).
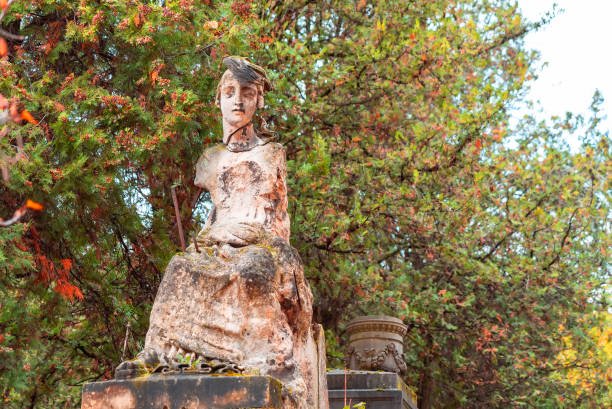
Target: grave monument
(231,325)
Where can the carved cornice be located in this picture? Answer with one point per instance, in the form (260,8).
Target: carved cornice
(376,323)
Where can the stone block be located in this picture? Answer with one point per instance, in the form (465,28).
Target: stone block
(184,392)
(379,390)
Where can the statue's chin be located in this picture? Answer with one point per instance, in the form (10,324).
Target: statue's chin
(236,119)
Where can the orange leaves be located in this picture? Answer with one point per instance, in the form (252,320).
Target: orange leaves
(497,134)
(155,73)
(28,117)
(3,4)
(3,47)
(30,204)
(211,25)
(137,20)
(154,76)
(66,264)
(67,290)
(60,274)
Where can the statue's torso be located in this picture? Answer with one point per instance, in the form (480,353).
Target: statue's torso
(247,186)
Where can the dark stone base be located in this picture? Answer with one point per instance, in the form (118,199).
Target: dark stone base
(379,390)
(184,392)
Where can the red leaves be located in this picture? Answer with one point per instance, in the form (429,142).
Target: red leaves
(242,8)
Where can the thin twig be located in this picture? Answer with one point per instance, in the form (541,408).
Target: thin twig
(125,341)
(178,218)
(195,242)
(4,167)
(11,36)
(5,33)
(8,5)
(19,213)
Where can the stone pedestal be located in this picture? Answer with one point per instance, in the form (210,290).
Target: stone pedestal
(184,392)
(379,390)
(376,343)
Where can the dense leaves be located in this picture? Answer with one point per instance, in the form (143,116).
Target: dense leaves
(410,193)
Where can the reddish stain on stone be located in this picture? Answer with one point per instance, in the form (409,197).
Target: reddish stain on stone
(115,397)
(234,397)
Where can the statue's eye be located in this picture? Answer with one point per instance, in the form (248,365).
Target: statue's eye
(228,91)
(248,93)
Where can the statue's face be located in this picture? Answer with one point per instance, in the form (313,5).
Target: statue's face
(237,101)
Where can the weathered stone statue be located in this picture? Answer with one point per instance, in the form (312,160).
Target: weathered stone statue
(239,302)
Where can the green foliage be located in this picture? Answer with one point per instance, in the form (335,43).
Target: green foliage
(410,194)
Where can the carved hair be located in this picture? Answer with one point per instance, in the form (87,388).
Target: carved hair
(245,72)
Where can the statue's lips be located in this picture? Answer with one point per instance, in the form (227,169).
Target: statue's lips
(238,110)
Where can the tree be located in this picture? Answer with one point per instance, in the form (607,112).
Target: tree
(410,194)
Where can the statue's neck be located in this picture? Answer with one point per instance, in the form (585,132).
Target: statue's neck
(237,138)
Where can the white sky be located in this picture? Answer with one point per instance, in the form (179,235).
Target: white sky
(577,47)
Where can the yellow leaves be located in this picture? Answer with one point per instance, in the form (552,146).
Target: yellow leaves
(381,25)
(415,176)
(538,211)
(583,374)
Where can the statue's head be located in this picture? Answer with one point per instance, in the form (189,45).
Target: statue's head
(241,91)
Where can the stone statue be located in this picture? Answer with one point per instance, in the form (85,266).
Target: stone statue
(239,302)
(246,176)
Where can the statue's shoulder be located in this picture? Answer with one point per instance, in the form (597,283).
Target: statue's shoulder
(211,153)
(214,150)
(207,165)
(275,148)
(273,153)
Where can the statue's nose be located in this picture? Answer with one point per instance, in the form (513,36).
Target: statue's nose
(238,97)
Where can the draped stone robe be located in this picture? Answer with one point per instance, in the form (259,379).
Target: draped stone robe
(246,187)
